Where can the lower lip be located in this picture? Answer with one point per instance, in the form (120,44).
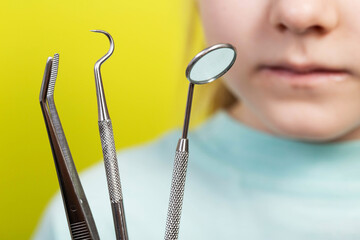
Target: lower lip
(310,79)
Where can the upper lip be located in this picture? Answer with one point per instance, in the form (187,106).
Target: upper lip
(303,68)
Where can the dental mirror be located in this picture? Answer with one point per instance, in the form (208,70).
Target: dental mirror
(207,66)
(211,63)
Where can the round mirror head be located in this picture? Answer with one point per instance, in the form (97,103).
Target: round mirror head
(211,63)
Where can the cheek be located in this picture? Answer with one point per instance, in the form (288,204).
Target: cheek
(236,79)
(228,21)
(239,23)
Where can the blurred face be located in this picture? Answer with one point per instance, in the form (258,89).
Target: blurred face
(297,72)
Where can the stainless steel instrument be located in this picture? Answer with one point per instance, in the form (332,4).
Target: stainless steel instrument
(108,148)
(79,216)
(207,66)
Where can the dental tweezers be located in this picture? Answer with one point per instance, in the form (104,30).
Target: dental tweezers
(80,220)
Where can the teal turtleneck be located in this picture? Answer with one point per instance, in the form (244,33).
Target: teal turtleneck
(241,184)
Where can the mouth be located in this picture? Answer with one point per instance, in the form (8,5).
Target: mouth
(303,75)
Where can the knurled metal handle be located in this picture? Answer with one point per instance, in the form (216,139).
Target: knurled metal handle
(110,160)
(176,195)
(113,178)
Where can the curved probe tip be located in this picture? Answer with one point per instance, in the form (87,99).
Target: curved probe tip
(102,108)
(111,50)
(95,30)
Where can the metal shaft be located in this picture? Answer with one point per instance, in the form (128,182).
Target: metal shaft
(188,110)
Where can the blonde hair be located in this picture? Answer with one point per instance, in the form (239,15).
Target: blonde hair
(214,96)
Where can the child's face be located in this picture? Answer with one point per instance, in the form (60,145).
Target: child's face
(297,72)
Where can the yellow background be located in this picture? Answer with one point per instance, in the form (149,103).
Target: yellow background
(144,82)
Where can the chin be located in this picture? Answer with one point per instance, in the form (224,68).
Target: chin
(307,134)
(309,129)
(302,121)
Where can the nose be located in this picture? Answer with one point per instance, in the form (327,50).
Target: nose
(303,16)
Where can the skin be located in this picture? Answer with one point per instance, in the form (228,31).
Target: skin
(297,74)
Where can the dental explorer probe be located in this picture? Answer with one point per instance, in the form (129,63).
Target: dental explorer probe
(108,148)
(80,220)
(207,66)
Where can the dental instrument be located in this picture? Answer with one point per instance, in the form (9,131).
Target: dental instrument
(207,66)
(80,220)
(108,148)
